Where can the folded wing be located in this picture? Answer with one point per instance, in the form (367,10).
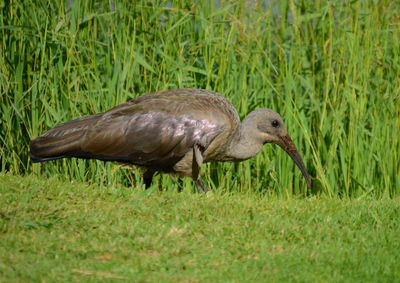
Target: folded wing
(136,133)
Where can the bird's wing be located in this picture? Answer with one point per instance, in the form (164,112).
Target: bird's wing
(148,134)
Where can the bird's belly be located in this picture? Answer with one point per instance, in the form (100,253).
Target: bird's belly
(183,168)
(215,151)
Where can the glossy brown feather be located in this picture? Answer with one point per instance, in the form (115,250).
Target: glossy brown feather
(155,130)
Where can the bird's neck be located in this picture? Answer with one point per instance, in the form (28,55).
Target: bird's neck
(245,143)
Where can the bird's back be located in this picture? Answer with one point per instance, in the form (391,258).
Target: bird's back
(154,130)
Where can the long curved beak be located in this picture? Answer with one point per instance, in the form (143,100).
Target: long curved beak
(288,145)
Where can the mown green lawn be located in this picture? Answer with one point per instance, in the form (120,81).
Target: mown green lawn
(53,231)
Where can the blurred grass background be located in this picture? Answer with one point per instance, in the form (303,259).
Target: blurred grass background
(331,68)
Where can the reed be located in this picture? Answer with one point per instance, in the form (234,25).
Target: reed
(331,68)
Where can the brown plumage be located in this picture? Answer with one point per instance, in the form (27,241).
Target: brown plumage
(173,131)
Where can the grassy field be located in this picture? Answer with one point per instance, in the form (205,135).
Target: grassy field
(330,68)
(52,231)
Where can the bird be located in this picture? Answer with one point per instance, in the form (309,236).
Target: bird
(171,131)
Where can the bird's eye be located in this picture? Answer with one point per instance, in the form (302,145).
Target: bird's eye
(275,124)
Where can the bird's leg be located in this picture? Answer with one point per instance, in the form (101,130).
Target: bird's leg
(147,178)
(196,163)
(180,185)
(200,186)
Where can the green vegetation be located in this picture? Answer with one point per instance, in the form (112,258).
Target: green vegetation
(52,231)
(331,68)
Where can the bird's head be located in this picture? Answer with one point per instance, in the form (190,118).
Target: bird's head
(271,129)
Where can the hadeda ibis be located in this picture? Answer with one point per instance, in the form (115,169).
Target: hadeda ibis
(172,131)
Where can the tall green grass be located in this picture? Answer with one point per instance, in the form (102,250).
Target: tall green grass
(331,68)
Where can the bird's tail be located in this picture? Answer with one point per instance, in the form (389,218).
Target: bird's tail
(62,141)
